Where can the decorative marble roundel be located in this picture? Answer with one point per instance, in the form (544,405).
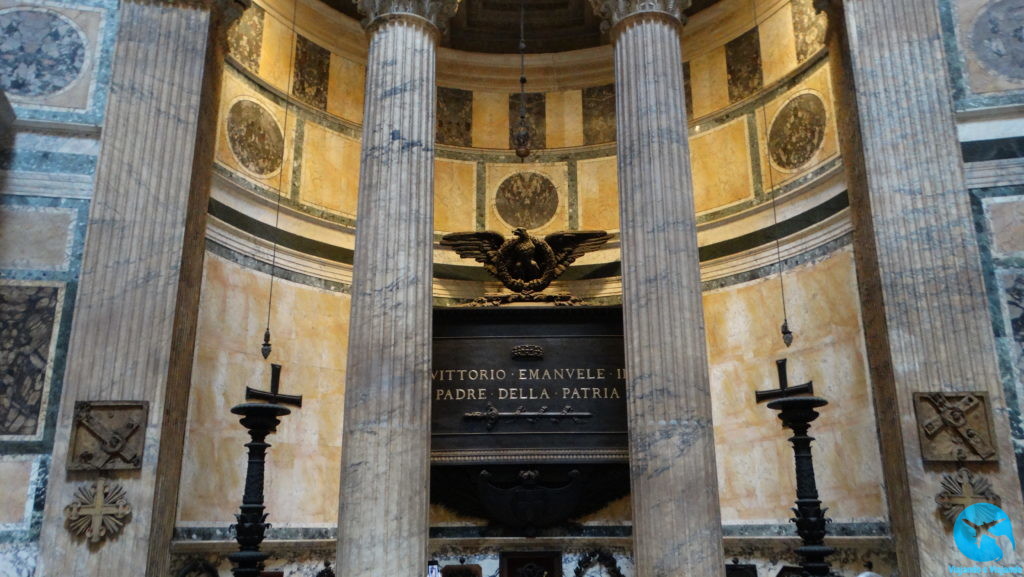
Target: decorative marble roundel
(527,199)
(998,38)
(797,131)
(41,52)
(255,138)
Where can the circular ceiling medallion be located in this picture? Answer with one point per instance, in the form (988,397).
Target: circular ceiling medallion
(797,132)
(255,138)
(41,52)
(997,38)
(527,199)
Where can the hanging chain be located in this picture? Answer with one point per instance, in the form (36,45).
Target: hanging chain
(787,335)
(266,347)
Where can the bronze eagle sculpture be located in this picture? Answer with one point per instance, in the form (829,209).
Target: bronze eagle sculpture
(525,263)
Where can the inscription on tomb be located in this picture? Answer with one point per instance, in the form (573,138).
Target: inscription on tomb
(491,403)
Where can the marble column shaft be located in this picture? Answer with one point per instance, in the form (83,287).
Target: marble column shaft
(385,471)
(676,516)
(925,307)
(133,332)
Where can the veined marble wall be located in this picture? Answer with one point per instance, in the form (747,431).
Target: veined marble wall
(54,64)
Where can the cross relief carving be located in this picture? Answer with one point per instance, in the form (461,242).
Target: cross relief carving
(954,427)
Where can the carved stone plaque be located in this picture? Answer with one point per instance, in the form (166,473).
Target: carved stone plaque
(98,511)
(108,435)
(961,490)
(528,385)
(954,427)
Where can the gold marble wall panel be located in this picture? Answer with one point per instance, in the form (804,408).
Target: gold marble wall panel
(598,193)
(551,175)
(778,44)
(252,139)
(345,89)
(564,119)
(755,461)
(1007,219)
(330,170)
(310,336)
(278,49)
(801,130)
(36,238)
(709,82)
(454,195)
(16,475)
(490,120)
(991,52)
(721,166)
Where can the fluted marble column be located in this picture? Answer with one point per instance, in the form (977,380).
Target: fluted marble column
(133,332)
(923,295)
(676,518)
(385,471)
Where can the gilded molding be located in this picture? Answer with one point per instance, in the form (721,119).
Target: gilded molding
(436,12)
(614,12)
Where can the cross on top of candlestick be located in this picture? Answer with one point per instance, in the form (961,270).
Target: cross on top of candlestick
(273,396)
(784,389)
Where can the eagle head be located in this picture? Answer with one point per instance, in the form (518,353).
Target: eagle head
(520,232)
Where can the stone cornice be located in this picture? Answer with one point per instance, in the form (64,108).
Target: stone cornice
(436,12)
(615,11)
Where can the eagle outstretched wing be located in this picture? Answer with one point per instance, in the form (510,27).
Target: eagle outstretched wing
(569,246)
(481,246)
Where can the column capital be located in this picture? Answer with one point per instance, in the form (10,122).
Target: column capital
(615,11)
(436,12)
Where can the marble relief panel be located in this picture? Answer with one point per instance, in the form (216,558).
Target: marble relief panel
(454,195)
(345,85)
(709,82)
(778,44)
(718,184)
(534,197)
(1007,218)
(809,28)
(536,115)
(798,131)
(800,134)
(277,52)
(329,178)
(252,139)
(255,138)
(743,65)
(48,55)
(29,317)
(599,114)
(245,38)
(36,238)
(988,32)
(312,67)
(454,116)
(598,193)
(491,119)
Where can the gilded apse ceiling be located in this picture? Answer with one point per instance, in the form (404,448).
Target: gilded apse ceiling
(493,25)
